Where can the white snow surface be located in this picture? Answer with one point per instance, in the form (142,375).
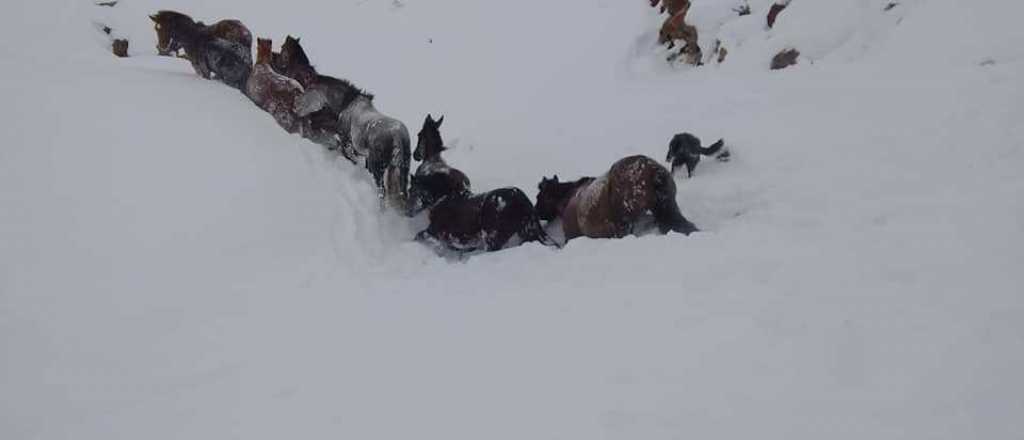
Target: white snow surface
(174,266)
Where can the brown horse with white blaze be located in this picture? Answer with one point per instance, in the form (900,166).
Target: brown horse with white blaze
(616,204)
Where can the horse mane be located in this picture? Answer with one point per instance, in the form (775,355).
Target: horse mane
(357,92)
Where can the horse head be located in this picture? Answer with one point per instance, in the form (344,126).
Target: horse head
(263,50)
(552,196)
(430,143)
(172,28)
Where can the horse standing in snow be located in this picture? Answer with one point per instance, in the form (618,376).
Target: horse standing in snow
(275,93)
(636,189)
(490,221)
(324,99)
(685,149)
(673,7)
(434,178)
(223,50)
(675,28)
(384,143)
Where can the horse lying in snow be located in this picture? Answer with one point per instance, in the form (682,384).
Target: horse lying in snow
(685,149)
(275,93)
(223,51)
(463,221)
(619,203)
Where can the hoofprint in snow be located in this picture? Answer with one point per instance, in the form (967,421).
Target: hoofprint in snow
(175,266)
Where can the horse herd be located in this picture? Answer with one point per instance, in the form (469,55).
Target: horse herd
(635,195)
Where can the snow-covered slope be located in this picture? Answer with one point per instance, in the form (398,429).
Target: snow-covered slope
(173,265)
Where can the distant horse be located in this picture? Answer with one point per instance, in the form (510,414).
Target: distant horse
(384,143)
(275,93)
(685,149)
(434,178)
(223,50)
(324,99)
(675,28)
(490,221)
(636,189)
(673,7)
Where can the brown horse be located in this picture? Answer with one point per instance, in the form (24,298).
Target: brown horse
(675,28)
(170,23)
(434,178)
(621,202)
(673,7)
(273,92)
(229,60)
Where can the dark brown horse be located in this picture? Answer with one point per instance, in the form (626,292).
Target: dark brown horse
(491,221)
(228,59)
(434,178)
(275,93)
(635,190)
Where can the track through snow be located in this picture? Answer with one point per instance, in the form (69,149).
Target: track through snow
(172,265)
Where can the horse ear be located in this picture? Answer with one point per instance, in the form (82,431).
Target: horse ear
(439,121)
(153,17)
(555,179)
(429,120)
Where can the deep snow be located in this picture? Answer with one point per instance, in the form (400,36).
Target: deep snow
(173,265)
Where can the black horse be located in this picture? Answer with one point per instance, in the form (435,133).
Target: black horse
(491,221)
(434,178)
(213,53)
(685,149)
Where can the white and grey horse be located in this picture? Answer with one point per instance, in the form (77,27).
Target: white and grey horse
(384,143)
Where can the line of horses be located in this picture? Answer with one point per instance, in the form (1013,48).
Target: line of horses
(635,195)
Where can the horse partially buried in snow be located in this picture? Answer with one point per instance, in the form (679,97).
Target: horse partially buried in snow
(495,220)
(434,178)
(222,51)
(324,97)
(623,201)
(275,93)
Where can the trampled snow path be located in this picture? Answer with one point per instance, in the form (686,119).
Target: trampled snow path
(172,265)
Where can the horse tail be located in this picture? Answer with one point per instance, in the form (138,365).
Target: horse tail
(396,177)
(717,148)
(536,232)
(666,210)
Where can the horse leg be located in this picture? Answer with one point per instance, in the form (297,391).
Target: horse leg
(666,210)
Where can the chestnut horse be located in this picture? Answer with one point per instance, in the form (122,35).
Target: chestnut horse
(275,93)
(619,203)
(675,28)
(223,50)
(434,178)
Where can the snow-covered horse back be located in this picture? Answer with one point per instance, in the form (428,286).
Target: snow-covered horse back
(274,93)
(223,51)
(615,204)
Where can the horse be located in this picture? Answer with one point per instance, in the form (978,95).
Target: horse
(685,149)
(491,221)
(383,142)
(621,202)
(324,99)
(675,28)
(673,7)
(222,50)
(275,93)
(434,178)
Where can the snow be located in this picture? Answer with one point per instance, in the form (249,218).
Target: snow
(173,265)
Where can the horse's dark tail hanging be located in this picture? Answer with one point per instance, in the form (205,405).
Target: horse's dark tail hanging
(666,210)
(535,232)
